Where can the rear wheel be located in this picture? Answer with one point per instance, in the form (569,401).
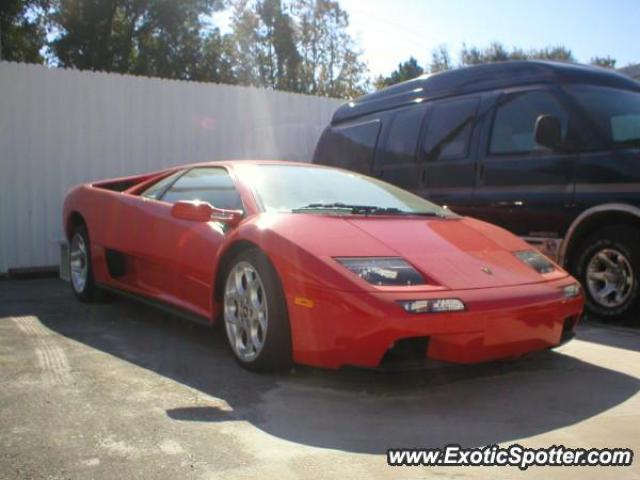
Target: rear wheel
(608,266)
(80,268)
(255,313)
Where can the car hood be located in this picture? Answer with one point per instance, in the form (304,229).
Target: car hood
(456,253)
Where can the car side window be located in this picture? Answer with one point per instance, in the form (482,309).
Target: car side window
(156,190)
(402,139)
(450,128)
(350,146)
(515,120)
(206,184)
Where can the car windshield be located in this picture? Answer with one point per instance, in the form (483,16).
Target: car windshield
(615,112)
(298,188)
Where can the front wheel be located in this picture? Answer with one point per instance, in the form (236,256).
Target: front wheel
(255,313)
(80,267)
(608,266)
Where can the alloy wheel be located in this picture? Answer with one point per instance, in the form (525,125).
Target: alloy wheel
(609,278)
(245,311)
(78,263)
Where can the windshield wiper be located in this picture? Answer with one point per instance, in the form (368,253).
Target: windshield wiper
(360,209)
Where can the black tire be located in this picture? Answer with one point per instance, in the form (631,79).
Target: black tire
(88,292)
(276,352)
(619,239)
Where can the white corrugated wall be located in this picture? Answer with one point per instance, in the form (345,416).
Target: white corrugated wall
(61,127)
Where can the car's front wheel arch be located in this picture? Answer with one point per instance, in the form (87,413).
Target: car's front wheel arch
(254,307)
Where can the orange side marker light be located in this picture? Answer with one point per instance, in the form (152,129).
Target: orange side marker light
(304,302)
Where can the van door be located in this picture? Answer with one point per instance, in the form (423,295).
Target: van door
(523,186)
(449,141)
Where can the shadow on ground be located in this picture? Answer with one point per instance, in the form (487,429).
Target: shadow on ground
(356,411)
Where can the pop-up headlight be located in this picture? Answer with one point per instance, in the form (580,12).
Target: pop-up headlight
(535,260)
(383,271)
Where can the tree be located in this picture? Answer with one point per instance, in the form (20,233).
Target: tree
(405,71)
(149,37)
(440,60)
(496,52)
(265,51)
(471,56)
(330,61)
(22,32)
(605,62)
(557,53)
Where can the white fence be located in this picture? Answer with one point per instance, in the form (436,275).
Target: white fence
(62,127)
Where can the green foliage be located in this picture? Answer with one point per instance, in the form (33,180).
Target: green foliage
(162,38)
(406,71)
(605,62)
(472,55)
(440,60)
(295,45)
(496,52)
(22,33)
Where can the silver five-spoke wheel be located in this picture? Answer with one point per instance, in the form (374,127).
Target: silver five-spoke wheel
(246,313)
(609,278)
(78,263)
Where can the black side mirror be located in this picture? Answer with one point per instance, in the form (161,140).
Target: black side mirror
(548,132)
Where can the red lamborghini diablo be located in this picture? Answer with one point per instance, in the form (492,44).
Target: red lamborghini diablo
(317,266)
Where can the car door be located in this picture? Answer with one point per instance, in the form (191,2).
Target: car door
(447,153)
(523,186)
(178,256)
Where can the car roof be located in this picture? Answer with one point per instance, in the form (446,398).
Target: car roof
(479,78)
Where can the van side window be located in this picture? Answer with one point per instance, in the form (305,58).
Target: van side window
(450,129)
(402,139)
(515,120)
(349,147)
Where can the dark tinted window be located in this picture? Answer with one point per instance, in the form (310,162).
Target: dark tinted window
(213,185)
(408,178)
(616,113)
(349,147)
(515,120)
(156,190)
(449,130)
(402,139)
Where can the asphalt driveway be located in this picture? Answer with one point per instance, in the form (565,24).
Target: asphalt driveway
(120,390)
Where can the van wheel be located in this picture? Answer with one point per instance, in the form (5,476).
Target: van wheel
(608,266)
(255,313)
(80,268)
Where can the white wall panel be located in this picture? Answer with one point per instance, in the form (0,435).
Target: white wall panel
(61,127)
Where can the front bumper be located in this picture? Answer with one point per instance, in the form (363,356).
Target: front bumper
(337,328)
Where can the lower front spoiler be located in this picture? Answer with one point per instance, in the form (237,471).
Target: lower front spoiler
(371,330)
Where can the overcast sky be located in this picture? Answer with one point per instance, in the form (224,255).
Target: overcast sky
(390,31)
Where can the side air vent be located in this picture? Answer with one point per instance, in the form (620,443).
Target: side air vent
(116,263)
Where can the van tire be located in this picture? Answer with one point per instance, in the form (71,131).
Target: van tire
(608,260)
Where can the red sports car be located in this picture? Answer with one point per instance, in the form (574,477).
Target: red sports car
(317,266)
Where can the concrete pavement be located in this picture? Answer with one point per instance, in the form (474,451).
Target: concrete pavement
(120,390)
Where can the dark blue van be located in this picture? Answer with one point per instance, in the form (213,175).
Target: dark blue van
(550,151)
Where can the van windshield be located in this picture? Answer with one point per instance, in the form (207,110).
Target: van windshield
(615,112)
(298,189)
